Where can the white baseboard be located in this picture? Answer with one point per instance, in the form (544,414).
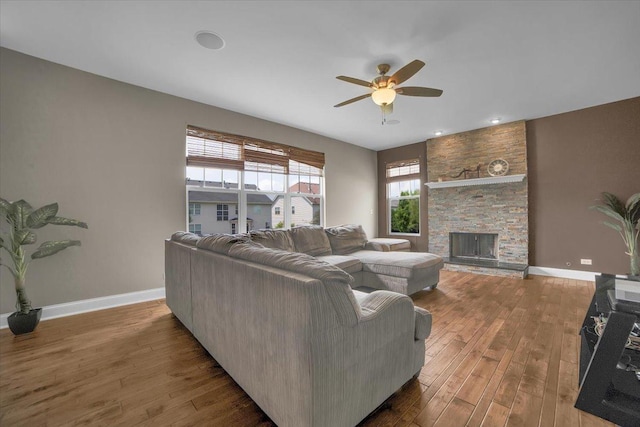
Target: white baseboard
(93,304)
(563,273)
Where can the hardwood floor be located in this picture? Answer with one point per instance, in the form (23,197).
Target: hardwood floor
(502,352)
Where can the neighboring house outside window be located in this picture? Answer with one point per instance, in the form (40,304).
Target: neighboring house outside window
(195,228)
(403,197)
(293,210)
(276,210)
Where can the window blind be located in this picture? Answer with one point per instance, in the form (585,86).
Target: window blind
(208,148)
(403,170)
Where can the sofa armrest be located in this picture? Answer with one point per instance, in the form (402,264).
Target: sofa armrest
(387,244)
(375,246)
(379,303)
(423,323)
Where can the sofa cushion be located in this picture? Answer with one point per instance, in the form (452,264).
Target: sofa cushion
(347,263)
(311,240)
(185,237)
(399,264)
(220,243)
(291,261)
(276,239)
(345,239)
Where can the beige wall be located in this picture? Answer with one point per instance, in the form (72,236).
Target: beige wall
(112,154)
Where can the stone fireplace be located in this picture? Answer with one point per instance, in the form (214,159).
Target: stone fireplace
(479,224)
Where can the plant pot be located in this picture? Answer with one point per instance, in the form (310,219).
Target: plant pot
(24,323)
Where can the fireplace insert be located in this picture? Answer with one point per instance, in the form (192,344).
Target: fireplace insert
(473,245)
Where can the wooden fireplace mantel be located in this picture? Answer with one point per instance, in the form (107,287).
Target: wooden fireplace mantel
(476,181)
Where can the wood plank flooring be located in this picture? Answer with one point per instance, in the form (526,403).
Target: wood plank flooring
(503,352)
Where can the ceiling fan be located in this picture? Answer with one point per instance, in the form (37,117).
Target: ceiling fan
(384,87)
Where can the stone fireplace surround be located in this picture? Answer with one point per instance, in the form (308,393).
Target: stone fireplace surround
(475,206)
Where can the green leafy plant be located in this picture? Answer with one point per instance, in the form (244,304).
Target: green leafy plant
(628,214)
(23,220)
(405,218)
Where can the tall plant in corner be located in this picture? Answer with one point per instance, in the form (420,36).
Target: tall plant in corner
(628,214)
(23,220)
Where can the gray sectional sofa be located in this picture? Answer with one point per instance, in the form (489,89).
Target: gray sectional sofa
(288,325)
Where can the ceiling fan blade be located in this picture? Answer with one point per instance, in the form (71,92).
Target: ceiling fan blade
(418,91)
(406,72)
(357,98)
(355,81)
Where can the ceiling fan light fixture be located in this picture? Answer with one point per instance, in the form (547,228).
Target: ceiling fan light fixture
(383,96)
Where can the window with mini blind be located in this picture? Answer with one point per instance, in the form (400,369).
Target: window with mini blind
(266,184)
(403,197)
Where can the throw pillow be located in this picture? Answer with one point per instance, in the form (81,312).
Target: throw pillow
(221,243)
(311,240)
(275,239)
(346,239)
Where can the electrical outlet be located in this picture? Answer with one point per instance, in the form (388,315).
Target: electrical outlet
(584,261)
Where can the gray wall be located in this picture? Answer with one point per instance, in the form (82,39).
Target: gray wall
(112,154)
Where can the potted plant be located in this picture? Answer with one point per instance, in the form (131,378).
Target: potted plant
(23,220)
(628,214)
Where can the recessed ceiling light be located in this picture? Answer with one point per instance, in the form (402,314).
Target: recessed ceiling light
(209,40)
(438,133)
(495,121)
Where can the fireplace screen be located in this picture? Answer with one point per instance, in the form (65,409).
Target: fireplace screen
(473,245)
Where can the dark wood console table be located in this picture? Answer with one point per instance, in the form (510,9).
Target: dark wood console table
(607,389)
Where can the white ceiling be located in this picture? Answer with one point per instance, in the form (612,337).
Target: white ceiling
(513,60)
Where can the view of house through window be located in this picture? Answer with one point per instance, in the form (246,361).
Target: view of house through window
(236,184)
(403,197)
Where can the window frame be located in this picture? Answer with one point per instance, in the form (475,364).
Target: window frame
(221,210)
(195,208)
(400,172)
(288,166)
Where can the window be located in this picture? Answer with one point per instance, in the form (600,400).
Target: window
(222,212)
(194,208)
(259,180)
(403,197)
(195,228)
